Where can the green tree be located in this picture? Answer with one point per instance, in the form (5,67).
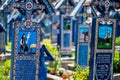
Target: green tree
(117,40)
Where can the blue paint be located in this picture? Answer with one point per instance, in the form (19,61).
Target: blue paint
(83,55)
(83,29)
(12,55)
(2,42)
(83,34)
(59,36)
(103,66)
(24,65)
(42,59)
(66,40)
(59,32)
(31,40)
(92,44)
(82,42)
(25,70)
(49,7)
(74,29)
(103,31)
(47,22)
(55,19)
(2,29)
(2,35)
(10,31)
(54,35)
(66,35)
(101,60)
(117,28)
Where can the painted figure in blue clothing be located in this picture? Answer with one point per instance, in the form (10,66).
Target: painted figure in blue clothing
(42,59)
(23,43)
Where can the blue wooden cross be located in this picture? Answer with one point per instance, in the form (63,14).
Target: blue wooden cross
(28,60)
(65,7)
(28,7)
(98,54)
(33,9)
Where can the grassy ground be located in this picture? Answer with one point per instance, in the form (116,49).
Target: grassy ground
(9,46)
(5,70)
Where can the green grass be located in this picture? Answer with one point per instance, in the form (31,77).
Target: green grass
(117,41)
(116,55)
(104,45)
(9,46)
(5,70)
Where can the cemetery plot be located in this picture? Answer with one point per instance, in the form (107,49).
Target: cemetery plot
(28,57)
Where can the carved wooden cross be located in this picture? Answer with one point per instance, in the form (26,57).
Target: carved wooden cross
(27,7)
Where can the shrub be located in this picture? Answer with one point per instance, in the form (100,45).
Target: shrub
(9,46)
(53,49)
(54,65)
(117,41)
(5,70)
(116,62)
(80,74)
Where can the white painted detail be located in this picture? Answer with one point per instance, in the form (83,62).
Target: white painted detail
(13,15)
(80,4)
(38,18)
(59,4)
(5,3)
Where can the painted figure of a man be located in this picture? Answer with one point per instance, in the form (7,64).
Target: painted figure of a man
(23,43)
(107,37)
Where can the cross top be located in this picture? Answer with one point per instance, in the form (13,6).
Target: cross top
(68,4)
(107,3)
(28,7)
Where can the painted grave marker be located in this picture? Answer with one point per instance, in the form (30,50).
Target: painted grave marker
(66,35)
(26,44)
(25,64)
(82,46)
(102,47)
